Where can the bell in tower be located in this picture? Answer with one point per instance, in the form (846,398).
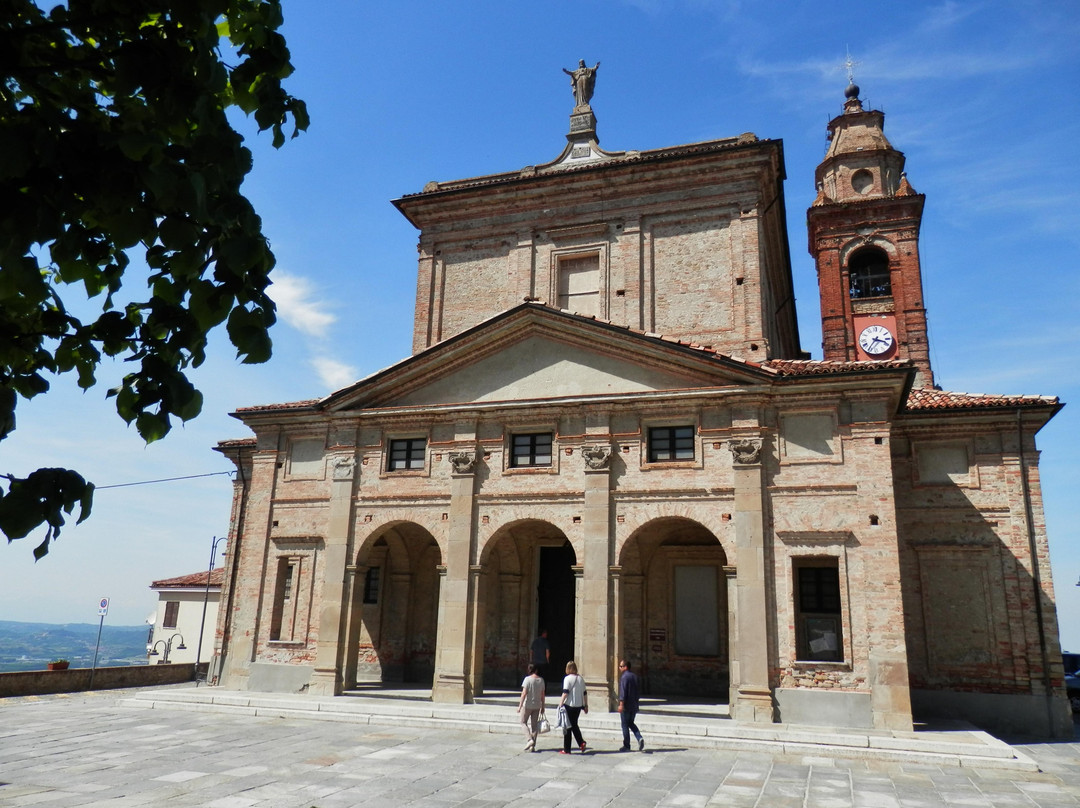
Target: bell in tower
(863,230)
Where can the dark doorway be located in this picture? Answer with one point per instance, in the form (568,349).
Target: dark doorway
(556,599)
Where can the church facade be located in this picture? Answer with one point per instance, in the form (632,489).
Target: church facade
(608,430)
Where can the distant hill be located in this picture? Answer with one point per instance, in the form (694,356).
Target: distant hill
(30,646)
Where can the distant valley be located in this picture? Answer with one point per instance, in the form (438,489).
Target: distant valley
(30,646)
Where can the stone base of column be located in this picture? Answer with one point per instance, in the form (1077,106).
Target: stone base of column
(754,705)
(325,682)
(449,689)
(600,695)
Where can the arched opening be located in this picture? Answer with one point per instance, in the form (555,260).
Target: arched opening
(868,272)
(675,609)
(395,607)
(528,584)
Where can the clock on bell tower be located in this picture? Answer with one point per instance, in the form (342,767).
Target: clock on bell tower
(863,230)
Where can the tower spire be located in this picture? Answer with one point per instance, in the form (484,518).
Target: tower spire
(863,230)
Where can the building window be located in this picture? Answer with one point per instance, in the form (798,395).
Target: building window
(407,454)
(281,618)
(530,450)
(371,585)
(172,611)
(697,612)
(818,624)
(868,271)
(579,283)
(671,443)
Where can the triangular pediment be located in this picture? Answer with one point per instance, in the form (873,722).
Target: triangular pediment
(536,353)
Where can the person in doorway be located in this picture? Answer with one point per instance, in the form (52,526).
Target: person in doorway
(575,698)
(541,652)
(629,698)
(531,705)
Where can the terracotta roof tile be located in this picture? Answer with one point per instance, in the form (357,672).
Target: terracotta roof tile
(217,576)
(289,405)
(928,398)
(818,367)
(615,158)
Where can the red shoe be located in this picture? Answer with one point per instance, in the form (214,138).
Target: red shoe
(583,747)
(563,752)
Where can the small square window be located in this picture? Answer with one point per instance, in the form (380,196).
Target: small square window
(407,454)
(530,450)
(668,443)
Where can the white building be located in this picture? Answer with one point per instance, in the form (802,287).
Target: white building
(187,605)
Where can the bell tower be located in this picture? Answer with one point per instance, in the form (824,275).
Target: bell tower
(863,229)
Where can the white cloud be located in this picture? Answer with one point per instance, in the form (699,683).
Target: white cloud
(334,374)
(293,296)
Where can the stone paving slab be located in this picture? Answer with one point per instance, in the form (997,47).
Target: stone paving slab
(959,747)
(94,750)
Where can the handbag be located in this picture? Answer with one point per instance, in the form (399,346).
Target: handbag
(562,720)
(545,726)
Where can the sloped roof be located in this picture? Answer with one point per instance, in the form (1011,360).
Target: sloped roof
(613,159)
(217,577)
(821,367)
(922,399)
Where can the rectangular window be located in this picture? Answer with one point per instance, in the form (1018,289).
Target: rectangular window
(172,611)
(281,618)
(671,443)
(818,623)
(579,284)
(371,585)
(530,450)
(697,612)
(406,455)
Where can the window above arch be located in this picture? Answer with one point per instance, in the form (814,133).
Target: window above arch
(868,271)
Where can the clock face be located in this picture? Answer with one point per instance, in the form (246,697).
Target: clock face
(876,340)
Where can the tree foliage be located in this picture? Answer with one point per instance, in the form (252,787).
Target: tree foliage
(115,146)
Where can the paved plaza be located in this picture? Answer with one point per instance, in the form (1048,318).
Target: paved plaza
(96,749)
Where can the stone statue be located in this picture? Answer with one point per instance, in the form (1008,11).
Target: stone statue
(582,81)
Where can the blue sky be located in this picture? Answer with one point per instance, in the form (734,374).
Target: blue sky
(981,97)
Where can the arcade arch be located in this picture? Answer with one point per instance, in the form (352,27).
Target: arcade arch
(528,583)
(675,612)
(395,608)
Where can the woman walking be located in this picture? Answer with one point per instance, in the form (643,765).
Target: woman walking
(531,705)
(576,699)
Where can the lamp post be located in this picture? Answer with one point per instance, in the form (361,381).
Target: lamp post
(168,647)
(206,597)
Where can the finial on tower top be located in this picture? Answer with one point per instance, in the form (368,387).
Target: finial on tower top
(851,92)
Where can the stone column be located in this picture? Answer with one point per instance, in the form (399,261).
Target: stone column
(752,698)
(354,593)
(327,678)
(453,654)
(618,636)
(594,647)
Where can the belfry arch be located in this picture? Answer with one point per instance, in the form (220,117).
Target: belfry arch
(394,615)
(675,611)
(528,583)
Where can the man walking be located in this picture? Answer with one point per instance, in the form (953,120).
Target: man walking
(541,653)
(629,697)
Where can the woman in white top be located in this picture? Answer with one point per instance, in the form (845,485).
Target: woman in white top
(575,698)
(531,705)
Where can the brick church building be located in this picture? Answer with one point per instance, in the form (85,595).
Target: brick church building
(607,429)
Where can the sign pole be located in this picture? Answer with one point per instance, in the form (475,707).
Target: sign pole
(103,609)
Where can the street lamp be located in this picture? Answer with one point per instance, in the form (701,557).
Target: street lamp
(154,651)
(206,597)
(168,647)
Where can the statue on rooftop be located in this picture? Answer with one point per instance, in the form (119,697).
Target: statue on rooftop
(582,81)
